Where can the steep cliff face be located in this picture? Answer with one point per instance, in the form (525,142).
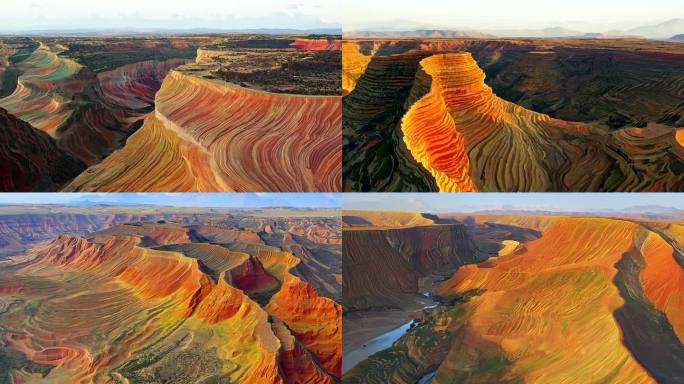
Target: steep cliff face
(298,365)
(251,277)
(31,160)
(662,279)
(371,114)
(234,139)
(381,267)
(134,86)
(315,320)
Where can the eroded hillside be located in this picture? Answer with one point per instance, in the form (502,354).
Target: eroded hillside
(157,301)
(235,113)
(227,123)
(585,299)
(449,115)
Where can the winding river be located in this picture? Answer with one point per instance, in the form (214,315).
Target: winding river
(374,345)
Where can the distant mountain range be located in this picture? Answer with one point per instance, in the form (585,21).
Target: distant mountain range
(668,30)
(423,33)
(643,210)
(157,31)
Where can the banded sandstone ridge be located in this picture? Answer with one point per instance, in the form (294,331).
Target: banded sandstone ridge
(420,115)
(250,113)
(164,301)
(207,134)
(584,299)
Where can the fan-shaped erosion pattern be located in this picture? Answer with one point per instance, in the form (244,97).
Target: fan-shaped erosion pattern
(422,116)
(152,301)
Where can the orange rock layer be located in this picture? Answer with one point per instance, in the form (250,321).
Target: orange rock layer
(354,64)
(317,44)
(120,298)
(471,140)
(429,131)
(315,320)
(547,302)
(232,139)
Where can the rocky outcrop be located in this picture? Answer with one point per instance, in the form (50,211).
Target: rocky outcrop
(153,301)
(315,320)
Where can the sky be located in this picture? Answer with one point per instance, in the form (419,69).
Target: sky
(586,15)
(473,202)
(233,200)
(17,15)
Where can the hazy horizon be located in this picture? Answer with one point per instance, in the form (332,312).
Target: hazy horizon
(583,15)
(184,200)
(49,15)
(474,202)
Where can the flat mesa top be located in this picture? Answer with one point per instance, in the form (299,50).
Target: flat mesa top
(306,66)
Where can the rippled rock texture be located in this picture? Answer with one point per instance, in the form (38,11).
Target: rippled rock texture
(583,299)
(156,301)
(422,116)
(232,139)
(89,114)
(248,114)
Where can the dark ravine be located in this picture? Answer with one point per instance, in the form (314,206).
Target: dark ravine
(31,159)
(371,115)
(646,331)
(607,87)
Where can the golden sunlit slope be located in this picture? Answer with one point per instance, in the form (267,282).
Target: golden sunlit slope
(418,116)
(166,160)
(354,64)
(569,307)
(232,139)
(145,302)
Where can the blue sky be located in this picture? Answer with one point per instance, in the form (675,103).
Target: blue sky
(16,15)
(472,202)
(235,200)
(586,15)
